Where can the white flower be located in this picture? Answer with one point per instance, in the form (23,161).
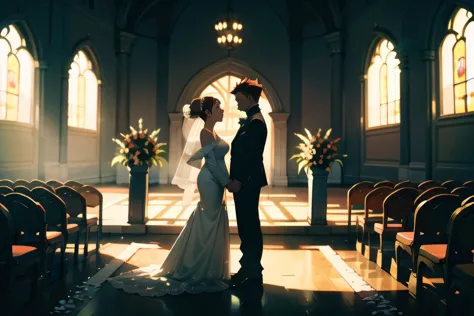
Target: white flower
(186,111)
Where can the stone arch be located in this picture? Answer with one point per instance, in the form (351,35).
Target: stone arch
(437,28)
(379,34)
(207,76)
(88,48)
(32,43)
(35,165)
(66,166)
(227,66)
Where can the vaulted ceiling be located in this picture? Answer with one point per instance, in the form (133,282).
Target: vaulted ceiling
(292,13)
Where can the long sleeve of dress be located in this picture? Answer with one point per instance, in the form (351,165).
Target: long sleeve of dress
(218,171)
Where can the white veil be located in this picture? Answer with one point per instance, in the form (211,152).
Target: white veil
(186,175)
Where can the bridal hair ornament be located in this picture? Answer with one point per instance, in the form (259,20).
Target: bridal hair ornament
(187,111)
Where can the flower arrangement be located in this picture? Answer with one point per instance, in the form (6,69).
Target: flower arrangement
(316,151)
(139,148)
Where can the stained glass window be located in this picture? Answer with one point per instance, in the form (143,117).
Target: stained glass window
(383,87)
(16,77)
(82,93)
(227,129)
(457,69)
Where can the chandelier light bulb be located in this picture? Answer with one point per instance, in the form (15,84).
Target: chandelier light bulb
(229,38)
(220,25)
(219,40)
(216,27)
(239,26)
(224,25)
(235,25)
(236,39)
(222,38)
(240,40)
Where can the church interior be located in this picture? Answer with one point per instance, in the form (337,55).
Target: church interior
(387,228)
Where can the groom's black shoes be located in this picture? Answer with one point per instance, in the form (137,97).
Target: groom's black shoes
(237,279)
(240,280)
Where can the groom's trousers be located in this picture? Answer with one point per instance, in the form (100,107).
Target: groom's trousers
(250,231)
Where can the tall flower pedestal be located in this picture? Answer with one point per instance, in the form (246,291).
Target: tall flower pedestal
(138,195)
(317,196)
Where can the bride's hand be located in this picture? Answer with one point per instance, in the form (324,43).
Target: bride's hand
(234,186)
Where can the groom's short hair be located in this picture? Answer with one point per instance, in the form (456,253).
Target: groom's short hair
(249,87)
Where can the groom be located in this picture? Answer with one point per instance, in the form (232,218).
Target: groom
(248,177)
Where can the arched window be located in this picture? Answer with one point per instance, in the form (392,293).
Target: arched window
(457,68)
(16,77)
(227,129)
(83,93)
(383,90)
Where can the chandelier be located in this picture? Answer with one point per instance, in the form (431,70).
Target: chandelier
(229,31)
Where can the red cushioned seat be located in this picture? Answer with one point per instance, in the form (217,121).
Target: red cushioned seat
(406,238)
(23,255)
(436,253)
(72,228)
(391,227)
(54,237)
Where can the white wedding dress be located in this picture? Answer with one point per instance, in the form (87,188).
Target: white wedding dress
(199,259)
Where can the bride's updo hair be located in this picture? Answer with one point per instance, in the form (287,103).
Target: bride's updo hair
(198,107)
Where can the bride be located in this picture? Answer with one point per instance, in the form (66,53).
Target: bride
(199,259)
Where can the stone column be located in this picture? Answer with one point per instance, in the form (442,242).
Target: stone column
(124,48)
(296,87)
(63,128)
(335,44)
(280,157)
(429,60)
(162,104)
(176,142)
(362,123)
(404,118)
(40,111)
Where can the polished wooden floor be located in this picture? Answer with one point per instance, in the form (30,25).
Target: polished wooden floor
(298,280)
(283,210)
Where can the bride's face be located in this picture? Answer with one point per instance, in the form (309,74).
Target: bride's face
(217,114)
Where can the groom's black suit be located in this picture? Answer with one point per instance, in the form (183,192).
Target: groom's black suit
(246,166)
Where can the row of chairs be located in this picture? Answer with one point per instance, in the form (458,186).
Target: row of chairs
(36,219)
(357,193)
(414,216)
(93,199)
